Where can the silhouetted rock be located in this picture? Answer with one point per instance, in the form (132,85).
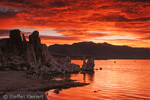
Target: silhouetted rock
(41,50)
(68,66)
(14,44)
(89,65)
(1,53)
(57,91)
(101,68)
(3,43)
(32,56)
(44,54)
(95,91)
(34,38)
(29,55)
(36,43)
(1,67)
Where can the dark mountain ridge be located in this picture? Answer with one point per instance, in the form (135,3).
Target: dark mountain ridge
(99,51)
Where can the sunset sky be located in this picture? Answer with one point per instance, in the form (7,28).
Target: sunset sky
(118,22)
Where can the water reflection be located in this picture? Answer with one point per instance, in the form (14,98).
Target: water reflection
(123,80)
(88,75)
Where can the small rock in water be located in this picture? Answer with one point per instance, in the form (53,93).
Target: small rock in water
(96,69)
(114,61)
(57,91)
(95,91)
(100,68)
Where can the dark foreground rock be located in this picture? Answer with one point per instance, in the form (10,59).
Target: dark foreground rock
(32,56)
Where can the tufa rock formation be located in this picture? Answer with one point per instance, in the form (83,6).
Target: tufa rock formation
(89,65)
(14,44)
(32,56)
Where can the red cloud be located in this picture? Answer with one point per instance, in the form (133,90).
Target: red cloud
(77,17)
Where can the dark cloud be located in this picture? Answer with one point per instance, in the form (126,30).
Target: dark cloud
(17,1)
(104,7)
(142,19)
(116,18)
(8,13)
(37,6)
(109,18)
(58,3)
(133,0)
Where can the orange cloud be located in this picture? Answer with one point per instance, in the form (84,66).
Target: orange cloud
(76,18)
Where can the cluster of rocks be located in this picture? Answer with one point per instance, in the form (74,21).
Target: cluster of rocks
(33,56)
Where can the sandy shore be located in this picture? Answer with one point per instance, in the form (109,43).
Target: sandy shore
(20,81)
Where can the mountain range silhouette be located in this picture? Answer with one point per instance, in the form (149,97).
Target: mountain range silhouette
(99,51)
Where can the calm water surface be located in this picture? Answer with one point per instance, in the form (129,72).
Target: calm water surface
(120,80)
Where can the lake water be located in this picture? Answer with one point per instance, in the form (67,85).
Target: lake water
(118,80)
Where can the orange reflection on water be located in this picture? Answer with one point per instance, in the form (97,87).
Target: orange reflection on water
(119,80)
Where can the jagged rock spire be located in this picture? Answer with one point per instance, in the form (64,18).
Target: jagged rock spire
(15,43)
(34,38)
